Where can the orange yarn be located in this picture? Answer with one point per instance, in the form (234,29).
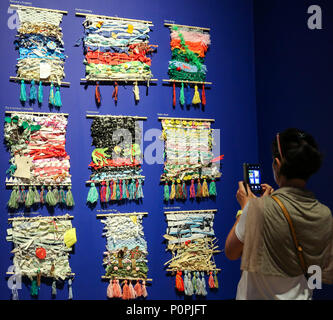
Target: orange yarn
(116,163)
(137,52)
(138,289)
(211,281)
(179,281)
(126,291)
(196,47)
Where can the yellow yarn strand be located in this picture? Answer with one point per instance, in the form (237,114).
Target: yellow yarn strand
(205,191)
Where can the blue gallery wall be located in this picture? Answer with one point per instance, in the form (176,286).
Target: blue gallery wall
(294,84)
(230,100)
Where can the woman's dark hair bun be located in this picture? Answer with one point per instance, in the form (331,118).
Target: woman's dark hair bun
(300,152)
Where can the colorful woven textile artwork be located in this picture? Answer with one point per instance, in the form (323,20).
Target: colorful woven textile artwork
(38,160)
(41,249)
(189,47)
(41,53)
(126,256)
(116,159)
(188,159)
(117,50)
(191,240)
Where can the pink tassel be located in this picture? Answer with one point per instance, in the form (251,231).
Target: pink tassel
(126,291)
(42,195)
(138,289)
(144,289)
(132,291)
(116,289)
(109,290)
(192,189)
(174,94)
(211,281)
(103,192)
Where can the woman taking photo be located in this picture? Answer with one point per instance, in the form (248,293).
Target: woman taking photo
(283,232)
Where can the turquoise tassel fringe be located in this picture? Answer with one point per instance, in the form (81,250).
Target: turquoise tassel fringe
(124,189)
(182,96)
(166,192)
(212,188)
(40,93)
(131,190)
(57,98)
(33,93)
(23,94)
(92,194)
(51,96)
(139,192)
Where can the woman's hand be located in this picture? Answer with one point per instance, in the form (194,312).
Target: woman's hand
(267,190)
(242,196)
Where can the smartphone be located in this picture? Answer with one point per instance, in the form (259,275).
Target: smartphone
(252,177)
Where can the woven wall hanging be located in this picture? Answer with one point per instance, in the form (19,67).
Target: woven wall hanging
(36,142)
(41,54)
(41,249)
(191,240)
(116,159)
(187,67)
(188,159)
(125,260)
(117,50)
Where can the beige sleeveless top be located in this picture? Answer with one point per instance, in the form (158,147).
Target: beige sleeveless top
(268,245)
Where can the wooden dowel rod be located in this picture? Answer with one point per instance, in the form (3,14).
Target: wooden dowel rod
(186,81)
(181,25)
(117,80)
(62,83)
(45,276)
(207,270)
(66,216)
(11,184)
(126,278)
(188,119)
(38,113)
(192,211)
(121,214)
(111,18)
(44,9)
(99,181)
(113,116)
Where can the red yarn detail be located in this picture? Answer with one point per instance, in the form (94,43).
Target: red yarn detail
(97,94)
(115,92)
(179,281)
(192,189)
(174,94)
(103,192)
(203,95)
(211,281)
